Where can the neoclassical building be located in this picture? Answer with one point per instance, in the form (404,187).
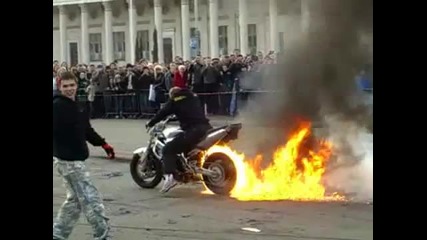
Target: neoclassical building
(95,31)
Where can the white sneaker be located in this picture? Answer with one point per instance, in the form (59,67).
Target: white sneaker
(169,183)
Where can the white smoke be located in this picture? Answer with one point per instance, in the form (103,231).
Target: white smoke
(352,170)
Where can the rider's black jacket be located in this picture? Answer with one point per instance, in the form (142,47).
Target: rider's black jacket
(187,108)
(71,130)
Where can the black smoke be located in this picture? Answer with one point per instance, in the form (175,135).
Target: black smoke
(315,75)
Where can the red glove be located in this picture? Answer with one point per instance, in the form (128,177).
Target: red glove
(109,150)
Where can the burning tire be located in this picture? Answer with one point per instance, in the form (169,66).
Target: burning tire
(153,169)
(224,181)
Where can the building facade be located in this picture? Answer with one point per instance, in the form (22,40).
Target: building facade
(101,31)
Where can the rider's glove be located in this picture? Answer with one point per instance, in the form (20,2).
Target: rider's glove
(109,150)
(148,125)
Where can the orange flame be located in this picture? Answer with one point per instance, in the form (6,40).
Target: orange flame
(283,179)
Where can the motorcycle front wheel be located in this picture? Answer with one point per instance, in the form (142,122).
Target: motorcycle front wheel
(226,174)
(153,170)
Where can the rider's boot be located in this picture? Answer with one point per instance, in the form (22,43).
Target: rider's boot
(169,183)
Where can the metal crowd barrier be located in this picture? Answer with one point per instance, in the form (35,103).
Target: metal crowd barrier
(137,105)
(109,104)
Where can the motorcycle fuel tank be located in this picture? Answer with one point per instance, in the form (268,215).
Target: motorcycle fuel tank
(171,132)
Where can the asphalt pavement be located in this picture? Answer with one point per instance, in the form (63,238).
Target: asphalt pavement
(186,213)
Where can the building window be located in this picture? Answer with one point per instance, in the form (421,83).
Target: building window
(119,42)
(142,48)
(191,7)
(252,38)
(95,47)
(223,40)
(195,39)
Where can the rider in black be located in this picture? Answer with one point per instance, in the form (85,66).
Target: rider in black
(190,114)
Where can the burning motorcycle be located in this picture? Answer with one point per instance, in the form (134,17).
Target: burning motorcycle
(216,170)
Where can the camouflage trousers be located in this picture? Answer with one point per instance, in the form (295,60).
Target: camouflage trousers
(82,195)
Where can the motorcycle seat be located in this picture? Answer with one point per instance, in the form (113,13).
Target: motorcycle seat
(233,126)
(215,129)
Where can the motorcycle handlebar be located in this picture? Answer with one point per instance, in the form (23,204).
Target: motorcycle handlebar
(162,123)
(171,118)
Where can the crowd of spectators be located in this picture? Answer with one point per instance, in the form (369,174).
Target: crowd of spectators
(139,89)
(133,90)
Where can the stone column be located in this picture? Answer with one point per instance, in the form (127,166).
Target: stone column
(213,27)
(274,36)
(243,25)
(158,22)
(305,16)
(132,30)
(84,46)
(62,34)
(108,18)
(185,29)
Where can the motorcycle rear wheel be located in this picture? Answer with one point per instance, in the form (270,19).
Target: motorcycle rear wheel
(137,178)
(227,174)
